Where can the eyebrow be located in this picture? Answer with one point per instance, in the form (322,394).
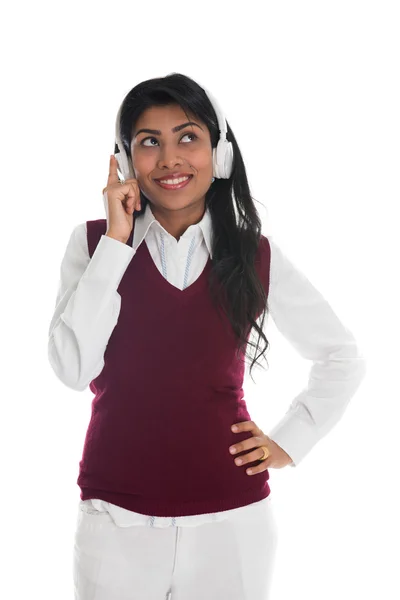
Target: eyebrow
(174,129)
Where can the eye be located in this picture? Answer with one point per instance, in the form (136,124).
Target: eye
(153,138)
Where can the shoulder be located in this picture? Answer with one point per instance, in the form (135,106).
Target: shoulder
(264,242)
(264,248)
(94,230)
(85,237)
(96,225)
(270,245)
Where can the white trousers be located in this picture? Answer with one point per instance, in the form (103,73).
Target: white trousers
(224,560)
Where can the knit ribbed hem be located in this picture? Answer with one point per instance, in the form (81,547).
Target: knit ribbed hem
(163,507)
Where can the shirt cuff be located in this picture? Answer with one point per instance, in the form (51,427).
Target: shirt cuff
(295,434)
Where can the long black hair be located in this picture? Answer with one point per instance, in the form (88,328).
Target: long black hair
(235,238)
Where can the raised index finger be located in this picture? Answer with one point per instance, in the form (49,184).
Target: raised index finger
(113,174)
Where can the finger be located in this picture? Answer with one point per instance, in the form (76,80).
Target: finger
(244,426)
(113,173)
(247,444)
(263,465)
(132,200)
(134,194)
(259,469)
(250,457)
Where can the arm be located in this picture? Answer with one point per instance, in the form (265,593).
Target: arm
(308,322)
(87,307)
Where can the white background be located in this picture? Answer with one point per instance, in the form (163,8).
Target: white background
(311,91)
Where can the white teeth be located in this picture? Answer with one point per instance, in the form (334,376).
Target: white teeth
(173,181)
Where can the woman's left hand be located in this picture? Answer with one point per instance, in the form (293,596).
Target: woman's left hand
(277,458)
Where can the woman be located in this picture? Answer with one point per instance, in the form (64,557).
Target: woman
(154,313)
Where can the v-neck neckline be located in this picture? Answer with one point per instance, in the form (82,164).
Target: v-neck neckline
(159,278)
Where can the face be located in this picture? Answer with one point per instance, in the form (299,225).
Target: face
(157,154)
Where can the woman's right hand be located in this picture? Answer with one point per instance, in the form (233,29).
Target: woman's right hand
(120,200)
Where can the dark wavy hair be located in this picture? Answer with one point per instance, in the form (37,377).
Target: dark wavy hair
(235,238)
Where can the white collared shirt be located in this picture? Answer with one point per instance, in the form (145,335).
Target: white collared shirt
(88,305)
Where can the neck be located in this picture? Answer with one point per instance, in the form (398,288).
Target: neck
(177,221)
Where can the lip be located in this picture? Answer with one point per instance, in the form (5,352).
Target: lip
(178,186)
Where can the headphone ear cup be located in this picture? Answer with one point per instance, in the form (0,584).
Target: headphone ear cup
(122,166)
(223,159)
(228,162)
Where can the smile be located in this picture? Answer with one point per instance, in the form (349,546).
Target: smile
(174,186)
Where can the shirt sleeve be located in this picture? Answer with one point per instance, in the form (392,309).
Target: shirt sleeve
(307,321)
(87,307)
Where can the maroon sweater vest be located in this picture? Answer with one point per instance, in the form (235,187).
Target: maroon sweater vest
(170,390)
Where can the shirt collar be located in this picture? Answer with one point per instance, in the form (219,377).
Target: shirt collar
(147,220)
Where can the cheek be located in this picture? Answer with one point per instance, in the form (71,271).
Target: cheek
(142,169)
(202,162)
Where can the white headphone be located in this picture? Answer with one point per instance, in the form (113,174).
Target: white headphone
(222,154)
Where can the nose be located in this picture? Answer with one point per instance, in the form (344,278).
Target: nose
(168,158)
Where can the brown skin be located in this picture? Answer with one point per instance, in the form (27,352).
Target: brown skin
(277,458)
(153,155)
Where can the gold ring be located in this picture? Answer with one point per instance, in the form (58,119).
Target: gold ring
(265,452)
